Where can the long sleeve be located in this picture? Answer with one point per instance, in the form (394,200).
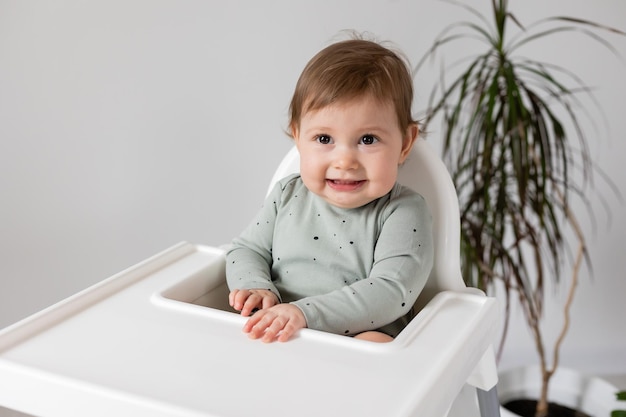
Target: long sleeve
(249,260)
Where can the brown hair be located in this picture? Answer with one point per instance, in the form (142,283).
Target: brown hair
(348,70)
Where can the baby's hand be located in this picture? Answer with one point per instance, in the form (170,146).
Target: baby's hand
(279,322)
(247,300)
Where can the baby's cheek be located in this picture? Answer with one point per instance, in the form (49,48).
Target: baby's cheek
(311,182)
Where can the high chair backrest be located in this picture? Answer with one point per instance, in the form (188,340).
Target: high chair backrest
(424,172)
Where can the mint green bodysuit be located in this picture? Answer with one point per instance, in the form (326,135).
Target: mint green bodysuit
(348,270)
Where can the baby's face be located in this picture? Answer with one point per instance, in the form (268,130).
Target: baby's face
(350,151)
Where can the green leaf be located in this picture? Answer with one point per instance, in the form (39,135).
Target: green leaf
(618,413)
(621,396)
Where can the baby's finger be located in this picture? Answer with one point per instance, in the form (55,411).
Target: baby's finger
(253,320)
(270,301)
(251,303)
(258,329)
(288,330)
(273,329)
(239,298)
(231,297)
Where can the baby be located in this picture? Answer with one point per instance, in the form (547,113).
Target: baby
(340,247)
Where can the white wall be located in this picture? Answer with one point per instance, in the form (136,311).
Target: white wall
(127,126)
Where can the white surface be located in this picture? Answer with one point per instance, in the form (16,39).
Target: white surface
(130,347)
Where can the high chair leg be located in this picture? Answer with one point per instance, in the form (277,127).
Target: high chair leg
(488,402)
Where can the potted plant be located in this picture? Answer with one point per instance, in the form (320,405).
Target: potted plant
(518,154)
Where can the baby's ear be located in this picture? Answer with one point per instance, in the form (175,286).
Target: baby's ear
(410,136)
(293,129)
(295,138)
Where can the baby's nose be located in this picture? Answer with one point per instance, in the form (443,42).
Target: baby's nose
(345,158)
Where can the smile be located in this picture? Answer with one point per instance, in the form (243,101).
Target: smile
(344,185)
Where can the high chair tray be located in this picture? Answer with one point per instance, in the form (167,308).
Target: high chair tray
(146,343)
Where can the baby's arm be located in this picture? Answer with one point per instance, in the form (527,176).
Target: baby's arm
(249,279)
(249,260)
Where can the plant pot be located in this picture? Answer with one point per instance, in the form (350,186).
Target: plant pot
(591,395)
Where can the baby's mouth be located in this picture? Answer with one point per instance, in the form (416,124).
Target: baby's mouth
(345,185)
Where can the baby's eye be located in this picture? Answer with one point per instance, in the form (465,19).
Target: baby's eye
(324,139)
(368,139)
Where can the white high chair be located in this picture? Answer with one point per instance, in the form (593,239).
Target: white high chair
(159,339)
